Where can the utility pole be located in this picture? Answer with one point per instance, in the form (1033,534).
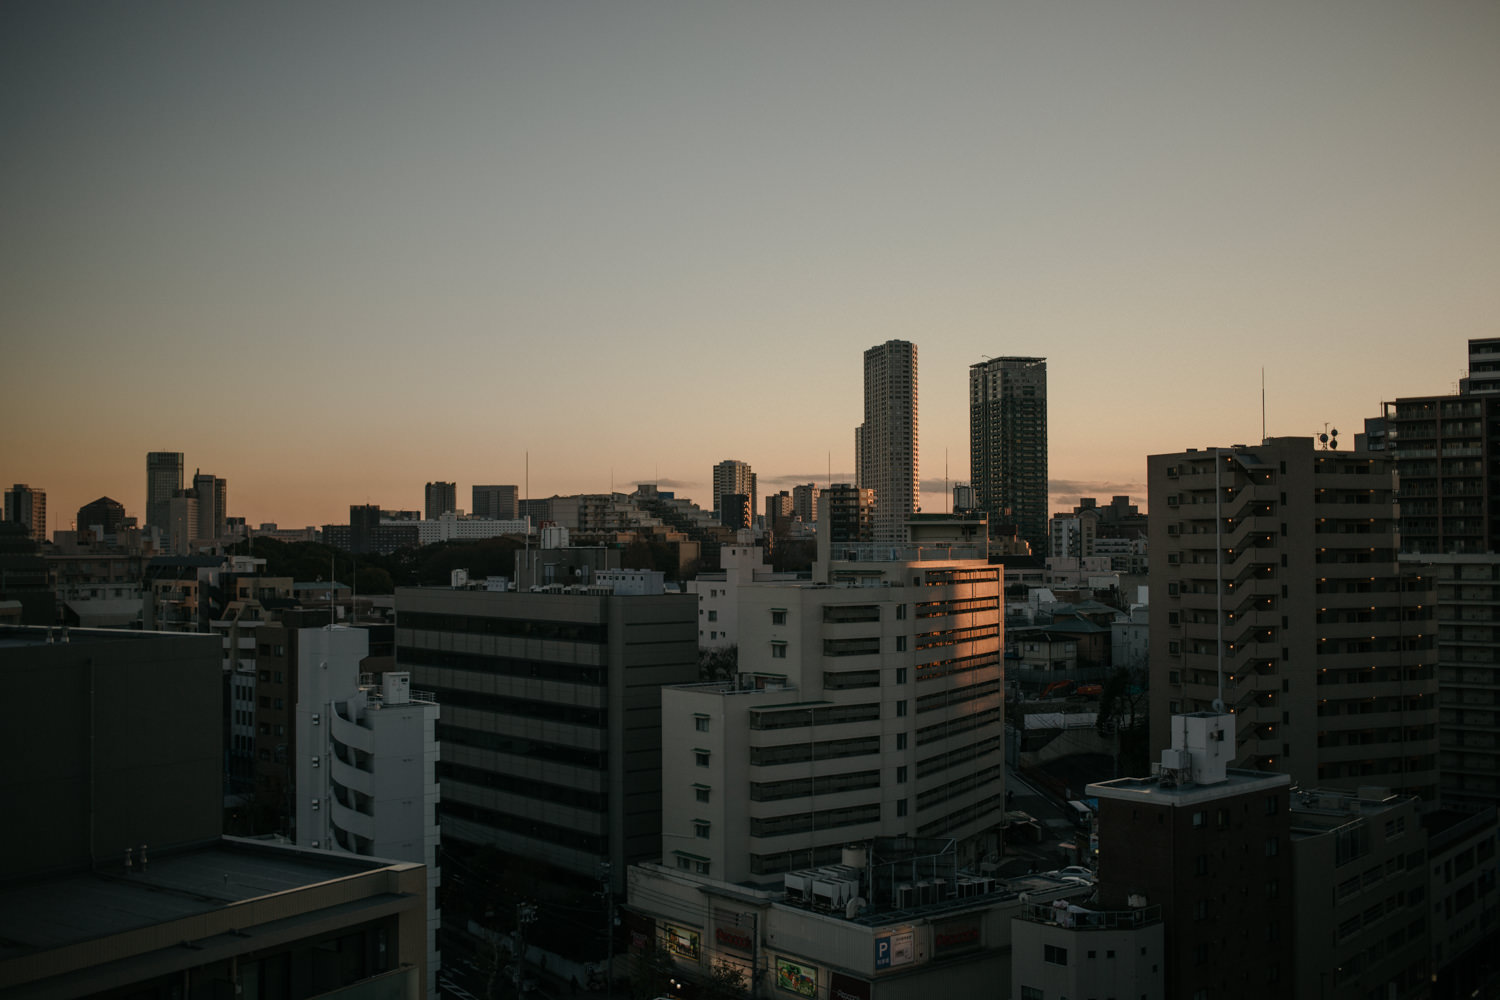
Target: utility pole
(606,872)
(525,914)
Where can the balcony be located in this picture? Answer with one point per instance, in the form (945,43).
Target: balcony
(349,776)
(350,821)
(348,732)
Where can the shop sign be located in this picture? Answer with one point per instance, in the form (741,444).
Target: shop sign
(894,948)
(960,934)
(730,935)
(842,987)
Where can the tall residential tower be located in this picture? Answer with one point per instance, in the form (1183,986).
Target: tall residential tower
(1008,444)
(886,442)
(731,478)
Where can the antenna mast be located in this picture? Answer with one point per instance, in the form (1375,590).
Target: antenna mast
(1263,404)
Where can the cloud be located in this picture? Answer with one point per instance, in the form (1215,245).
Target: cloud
(665,483)
(1071,490)
(803,478)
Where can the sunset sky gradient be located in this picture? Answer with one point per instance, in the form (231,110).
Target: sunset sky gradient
(333,250)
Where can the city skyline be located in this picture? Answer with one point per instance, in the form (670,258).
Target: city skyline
(367,248)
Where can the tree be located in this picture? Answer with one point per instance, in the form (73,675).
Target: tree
(654,970)
(718,664)
(726,982)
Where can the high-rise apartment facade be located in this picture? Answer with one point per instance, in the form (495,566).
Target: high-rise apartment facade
(1008,444)
(1446,450)
(1276,589)
(495,503)
(847,514)
(28,506)
(163,481)
(441,498)
(887,442)
(805,503)
(733,477)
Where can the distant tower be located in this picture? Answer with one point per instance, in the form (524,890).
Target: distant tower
(163,480)
(441,499)
(211,505)
(29,507)
(886,442)
(805,503)
(733,477)
(1008,444)
(497,503)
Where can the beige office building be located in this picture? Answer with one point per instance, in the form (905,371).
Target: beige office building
(868,704)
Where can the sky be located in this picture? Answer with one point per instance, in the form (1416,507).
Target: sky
(332,251)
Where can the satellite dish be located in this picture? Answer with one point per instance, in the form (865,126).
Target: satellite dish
(1323,438)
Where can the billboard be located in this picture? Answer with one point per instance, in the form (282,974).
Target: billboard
(842,987)
(796,977)
(681,941)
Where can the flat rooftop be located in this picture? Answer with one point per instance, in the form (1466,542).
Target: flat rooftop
(54,912)
(1152,789)
(19,636)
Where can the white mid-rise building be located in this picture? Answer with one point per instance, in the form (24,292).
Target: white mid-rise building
(868,704)
(718,592)
(366,762)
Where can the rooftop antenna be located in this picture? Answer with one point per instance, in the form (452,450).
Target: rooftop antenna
(1262,404)
(332,579)
(946,488)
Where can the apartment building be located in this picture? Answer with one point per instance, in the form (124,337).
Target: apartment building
(1445,449)
(28,506)
(868,704)
(440,498)
(1008,444)
(887,443)
(1358,859)
(1276,591)
(366,761)
(732,476)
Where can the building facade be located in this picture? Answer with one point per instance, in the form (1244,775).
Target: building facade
(847,514)
(550,733)
(28,506)
(441,498)
(1211,846)
(366,761)
(1008,444)
(734,477)
(868,704)
(163,481)
(1276,590)
(497,503)
(888,443)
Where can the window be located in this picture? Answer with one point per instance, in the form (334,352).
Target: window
(1200,865)
(701,867)
(1199,818)
(700,792)
(1053,955)
(1273,847)
(778,616)
(900,807)
(900,741)
(778,650)
(900,643)
(686,864)
(700,829)
(900,612)
(901,775)
(701,757)
(900,675)
(700,723)
(900,709)
(713,616)
(1272,805)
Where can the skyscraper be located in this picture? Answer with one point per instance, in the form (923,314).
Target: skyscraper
(1008,444)
(733,477)
(29,507)
(211,514)
(163,480)
(886,442)
(441,498)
